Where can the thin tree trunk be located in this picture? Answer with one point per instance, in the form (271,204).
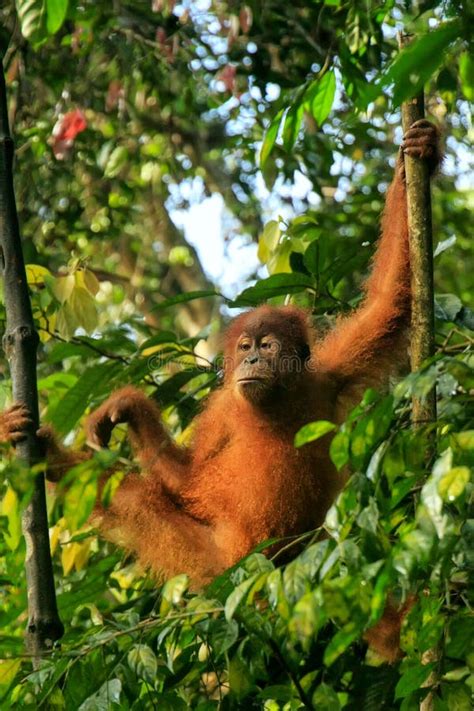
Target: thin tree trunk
(422,344)
(422,341)
(20,344)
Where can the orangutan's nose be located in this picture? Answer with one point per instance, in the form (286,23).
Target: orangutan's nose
(251,359)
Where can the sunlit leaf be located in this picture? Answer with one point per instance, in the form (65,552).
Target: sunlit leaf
(418,61)
(339,643)
(466,72)
(143,662)
(237,596)
(35,274)
(313,431)
(31,14)
(268,240)
(453,483)
(8,671)
(292,125)
(319,97)
(172,592)
(56,11)
(275,285)
(270,138)
(63,286)
(83,306)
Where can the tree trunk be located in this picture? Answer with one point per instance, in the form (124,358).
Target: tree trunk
(422,340)
(422,343)
(20,344)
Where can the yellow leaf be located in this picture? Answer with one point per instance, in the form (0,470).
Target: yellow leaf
(63,286)
(46,326)
(11,509)
(87,280)
(84,309)
(55,534)
(166,347)
(66,322)
(82,553)
(453,483)
(268,240)
(8,670)
(465,439)
(35,274)
(185,438)
(68,554)
(279,262)
(126,577)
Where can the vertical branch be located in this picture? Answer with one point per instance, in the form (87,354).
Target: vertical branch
(20,344)
(422,344)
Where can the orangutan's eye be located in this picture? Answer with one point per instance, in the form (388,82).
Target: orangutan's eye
(244,346)
(271,346)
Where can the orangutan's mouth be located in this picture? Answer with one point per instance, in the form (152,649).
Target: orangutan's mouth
(251,380)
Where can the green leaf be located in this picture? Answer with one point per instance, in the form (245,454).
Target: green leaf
(458,697)
(93,382)
(268,240)
(316,255)
(86,678)
(326,699)
(278,692)
(172,592)
(117,160)
(106,699)
(56,11)
(275,285)
(339,643)
(417,62)
(339,449)
(237,596)
(270,138)
(241,680)
(306,619)
(319,97)
(143,662)
(222,634)
(82,305)
(413,679)
(453,483)
(185,298)
(447,307)
(313,431)
(292,126)
(80,499)
(8,671)
(430,492)
(460,636)
(466,73)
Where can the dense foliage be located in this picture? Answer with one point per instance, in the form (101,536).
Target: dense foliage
(124,113)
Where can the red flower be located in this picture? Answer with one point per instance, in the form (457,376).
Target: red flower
(65,131)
